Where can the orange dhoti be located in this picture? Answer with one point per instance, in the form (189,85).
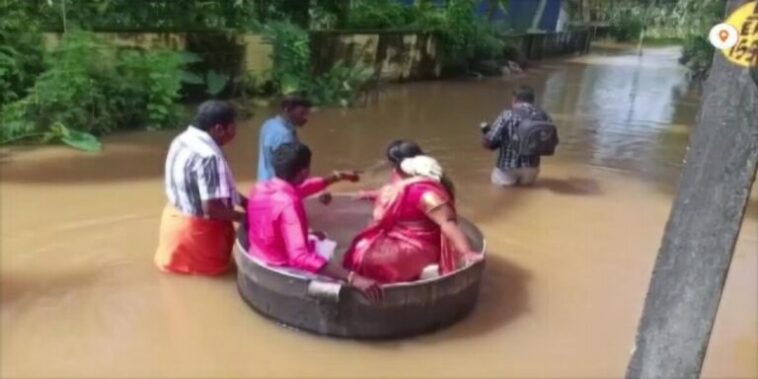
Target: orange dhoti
(193,245)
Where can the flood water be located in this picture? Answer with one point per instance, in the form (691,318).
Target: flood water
(569,260)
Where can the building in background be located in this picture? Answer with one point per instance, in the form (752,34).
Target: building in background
(521,16)
(537,15)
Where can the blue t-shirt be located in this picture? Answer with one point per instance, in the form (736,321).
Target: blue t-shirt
(275,132)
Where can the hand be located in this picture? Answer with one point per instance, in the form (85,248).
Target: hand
(318,234)
(363,196)
(325,198)
(485,127)
(367,287)
(351,176)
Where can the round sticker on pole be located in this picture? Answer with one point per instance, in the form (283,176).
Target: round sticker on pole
(723,36)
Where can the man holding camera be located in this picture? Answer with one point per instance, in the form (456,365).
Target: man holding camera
(522,135)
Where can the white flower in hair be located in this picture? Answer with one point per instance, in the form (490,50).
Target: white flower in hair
(422,165)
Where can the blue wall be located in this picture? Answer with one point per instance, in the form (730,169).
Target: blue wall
(482,9)
(411,2)
(520,13)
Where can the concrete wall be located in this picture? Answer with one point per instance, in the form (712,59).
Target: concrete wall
(173,41)
(402,56)
(396,56)
(537,46)
(254,52)
(257,56)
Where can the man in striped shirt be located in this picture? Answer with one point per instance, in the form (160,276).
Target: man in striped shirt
(197,231)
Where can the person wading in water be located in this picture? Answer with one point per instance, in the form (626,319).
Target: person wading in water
(282,129)
(279,130)
(197,231)
(521,135)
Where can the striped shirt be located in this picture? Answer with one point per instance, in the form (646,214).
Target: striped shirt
(499,136)
(197,171)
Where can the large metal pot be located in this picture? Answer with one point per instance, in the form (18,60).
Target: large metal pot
(323,306)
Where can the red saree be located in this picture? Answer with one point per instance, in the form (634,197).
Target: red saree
(402,240)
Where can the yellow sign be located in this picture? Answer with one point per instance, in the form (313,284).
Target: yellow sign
(745,20)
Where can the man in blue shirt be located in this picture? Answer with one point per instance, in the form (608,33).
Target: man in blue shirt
(280,130)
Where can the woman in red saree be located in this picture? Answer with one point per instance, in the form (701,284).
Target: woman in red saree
(415,226)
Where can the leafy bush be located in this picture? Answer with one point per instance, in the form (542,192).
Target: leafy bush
(696,19)
(324,16)
(291,70)
(253,84)
(463,37)
(291,55)
(430,18)
(379,14)
(626,22)
(488,44)
(93,88)
(151,81)
(213,82)
(69,92)
(697,56)
(137,15)
(688,21)
(20,55)
(459,30)
(20,61)
(339,85)
(626,29)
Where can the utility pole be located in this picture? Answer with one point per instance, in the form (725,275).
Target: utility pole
(694,258)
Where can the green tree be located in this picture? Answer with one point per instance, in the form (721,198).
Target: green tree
(137,15)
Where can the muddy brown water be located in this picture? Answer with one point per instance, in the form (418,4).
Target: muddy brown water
(569,263)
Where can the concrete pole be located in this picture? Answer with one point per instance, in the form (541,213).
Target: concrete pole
(702,229)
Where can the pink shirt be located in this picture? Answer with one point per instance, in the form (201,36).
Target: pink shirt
(278,225)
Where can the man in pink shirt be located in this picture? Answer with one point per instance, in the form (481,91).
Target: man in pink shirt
(278,225)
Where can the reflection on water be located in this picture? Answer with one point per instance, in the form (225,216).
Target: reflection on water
(569,267)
